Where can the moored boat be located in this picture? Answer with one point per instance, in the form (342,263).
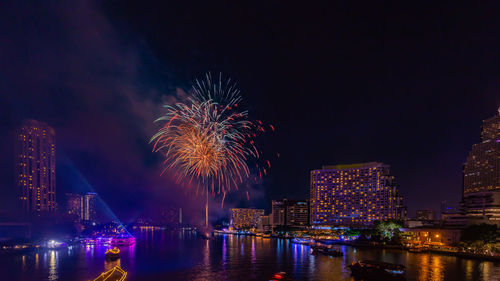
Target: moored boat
(376,270)
(327,250)
(415,249)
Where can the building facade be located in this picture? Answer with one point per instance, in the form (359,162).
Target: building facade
(83,206)
(287,212)
(266,223)
(89,206)
(278,212)
(36,167)
(425,215)
(431,236)
(242,218)
(297,213)
(481,176)
(74,205)
(355,194)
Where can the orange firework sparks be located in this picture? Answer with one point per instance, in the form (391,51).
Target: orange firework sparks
(209,140)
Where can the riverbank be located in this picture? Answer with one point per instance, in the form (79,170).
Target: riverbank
(431,250)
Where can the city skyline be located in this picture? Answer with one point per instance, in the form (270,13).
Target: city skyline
(489,133)
(420,120)
(167,140)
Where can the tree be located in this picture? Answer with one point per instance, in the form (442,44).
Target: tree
(486,233)
(387,229)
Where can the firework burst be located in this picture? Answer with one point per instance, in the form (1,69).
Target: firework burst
(208,142)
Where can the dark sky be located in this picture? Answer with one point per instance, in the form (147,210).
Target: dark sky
(404,85)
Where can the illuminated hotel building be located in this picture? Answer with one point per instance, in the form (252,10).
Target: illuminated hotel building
(481,176)
(355,194)
(246,218)
(36,167)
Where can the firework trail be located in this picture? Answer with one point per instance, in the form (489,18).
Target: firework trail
(209,141)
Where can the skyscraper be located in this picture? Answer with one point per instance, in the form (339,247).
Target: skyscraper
(355,194)
(297,213)
(481,176)
(278,212)
(89,202)
(290,212)
(84,206)
(36,167)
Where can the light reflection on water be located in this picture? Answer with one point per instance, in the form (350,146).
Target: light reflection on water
(172,255)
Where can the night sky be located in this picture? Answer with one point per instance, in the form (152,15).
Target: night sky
(404,85)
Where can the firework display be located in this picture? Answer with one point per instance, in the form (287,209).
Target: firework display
(209,142)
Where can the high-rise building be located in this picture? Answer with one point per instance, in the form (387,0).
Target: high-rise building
(89,205)
(297,213)
(288,212)
(246,218)
(278,212)
(355,194)
(425,215)
(74,204)
(481,176)
(266,223)
(36,167)
(84,206)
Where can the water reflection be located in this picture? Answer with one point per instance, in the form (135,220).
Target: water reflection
(166,255)
(23,259)
(437,269)
(36,261)
(108,265)
(53,266)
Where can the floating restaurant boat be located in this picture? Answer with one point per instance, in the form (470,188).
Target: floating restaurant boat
(114,274)
(327,250)
(376,270)
(123,240)
(112,254)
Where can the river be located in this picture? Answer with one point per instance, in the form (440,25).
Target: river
(180,255)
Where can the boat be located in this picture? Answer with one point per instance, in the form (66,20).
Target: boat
(280,276)
(114,274)
(301,241)
(377,270)
(123,240)
(112,254)
(266,235)
(416,249)
(327,250)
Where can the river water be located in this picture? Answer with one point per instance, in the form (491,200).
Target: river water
(180,255)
